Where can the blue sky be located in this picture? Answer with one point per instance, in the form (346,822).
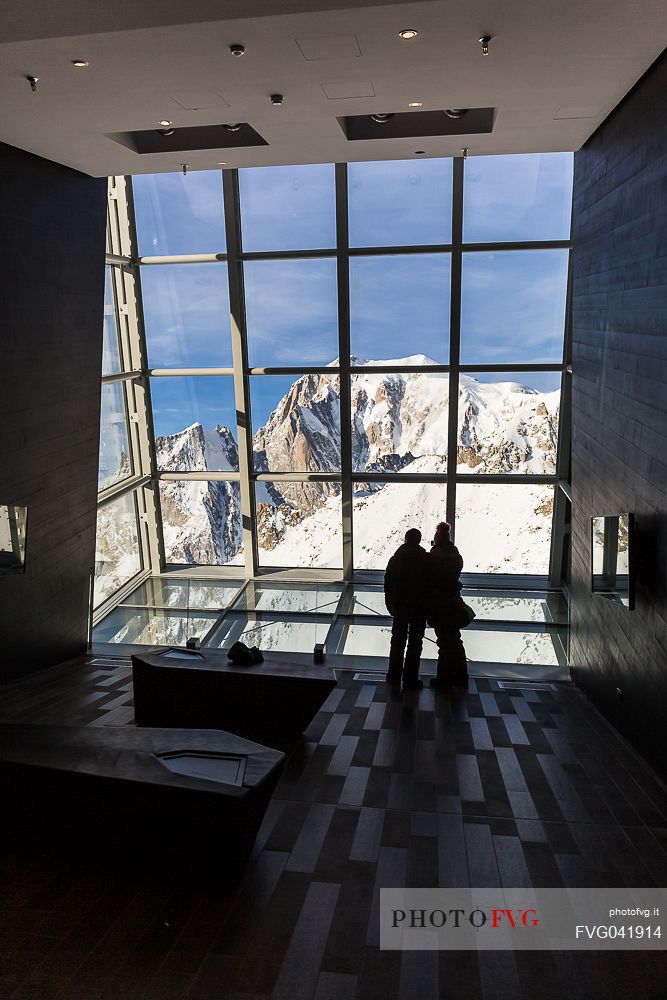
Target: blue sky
(512,302)
(183,400)
(400,202)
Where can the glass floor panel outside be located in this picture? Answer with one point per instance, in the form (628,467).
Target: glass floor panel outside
(350,619)
(302,598)
(293,634)
(153,626)
(196,594)
(481,645)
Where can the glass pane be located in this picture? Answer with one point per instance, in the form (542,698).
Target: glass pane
(399,309)
(504,528)
(540,607)
(508,422)
(288,208)
(356,639)
(117,555)
(298,597)
(186,313)
(400,202)
(13,531)
(364,600)
(178,214)
(291,635)
(510,647)
(195,594)
(195,423)
(299,524)
(514,198)
(115,462)
(383,512)
(201,522)
(399,422)
(111,362)
(291,312)
(297,421)
(152,627)
(513,307)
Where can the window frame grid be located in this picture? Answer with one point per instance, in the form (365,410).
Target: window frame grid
(235,257)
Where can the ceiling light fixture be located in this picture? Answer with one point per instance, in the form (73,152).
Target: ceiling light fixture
(407,34)
(484,42)
(277,100)
(165,131)
(415,104)
(33,81)
(233,126)
(455,112)
(237,50)
(382,119)
(420,152)
(80,63)
(464,150)
(222,163)
(164,122)
(184,168)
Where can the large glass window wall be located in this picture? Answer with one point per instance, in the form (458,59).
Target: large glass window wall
(124,494)
(335,354)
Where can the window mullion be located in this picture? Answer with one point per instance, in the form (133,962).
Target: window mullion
(345,400)
(232,205)
(454,336)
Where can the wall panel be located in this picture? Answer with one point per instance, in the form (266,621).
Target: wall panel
(619,459)
(52,290)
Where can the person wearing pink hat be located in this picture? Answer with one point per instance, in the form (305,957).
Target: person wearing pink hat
(445,609)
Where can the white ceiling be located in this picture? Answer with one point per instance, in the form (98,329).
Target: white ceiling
(555,70)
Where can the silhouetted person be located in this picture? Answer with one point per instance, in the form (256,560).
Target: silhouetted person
(445,565)
(407,594)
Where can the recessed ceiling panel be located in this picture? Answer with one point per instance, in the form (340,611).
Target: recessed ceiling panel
(186,139)
(199,100)
(570,113)
(345,89)
(417,124)
(315,47)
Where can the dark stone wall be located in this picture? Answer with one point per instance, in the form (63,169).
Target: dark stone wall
(619,460)
(52,292)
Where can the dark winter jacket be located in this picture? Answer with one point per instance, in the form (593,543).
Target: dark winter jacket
(445,565)
(407,586)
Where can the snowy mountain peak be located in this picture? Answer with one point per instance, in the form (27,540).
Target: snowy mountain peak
(196,449)
(399,422)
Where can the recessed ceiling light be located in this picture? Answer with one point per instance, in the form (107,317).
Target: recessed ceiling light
(233,126)
(415,104)
(80,63)
(164,122)
(456,112)
(222,163)
(382,119)
(420,152)
(408,33)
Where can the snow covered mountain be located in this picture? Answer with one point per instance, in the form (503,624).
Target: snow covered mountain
(399,424)
(201,520)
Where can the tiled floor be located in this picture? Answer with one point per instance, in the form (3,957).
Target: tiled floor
(523,787)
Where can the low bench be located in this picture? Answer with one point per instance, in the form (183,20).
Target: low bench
(192,796)
(202,689)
